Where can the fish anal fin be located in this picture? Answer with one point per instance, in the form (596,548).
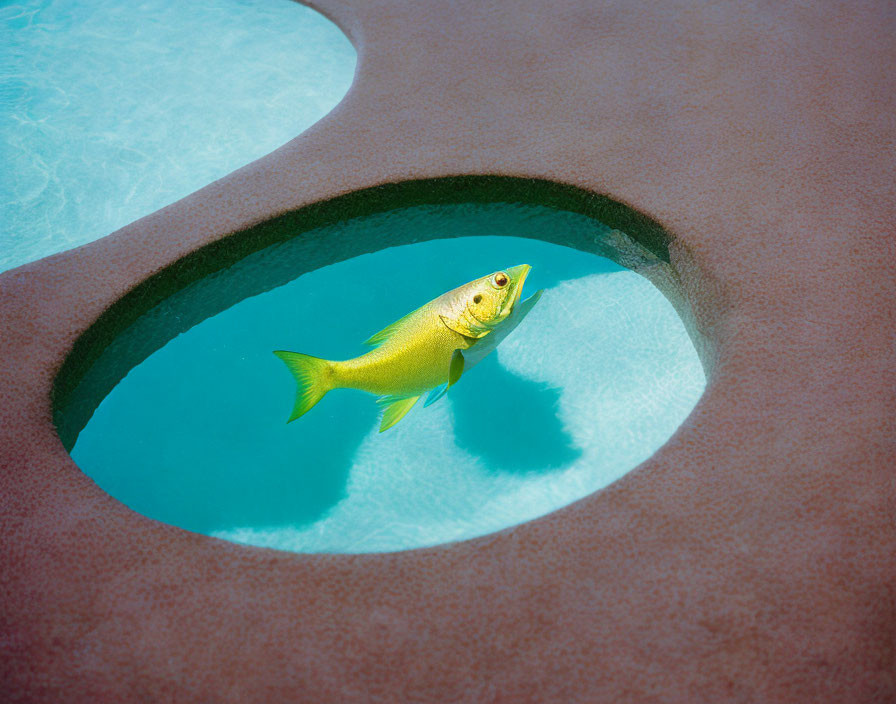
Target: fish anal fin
(456,368)
(394,409)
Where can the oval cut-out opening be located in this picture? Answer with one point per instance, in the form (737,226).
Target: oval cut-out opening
(594,380)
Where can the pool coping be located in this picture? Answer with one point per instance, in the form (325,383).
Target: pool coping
(751,557)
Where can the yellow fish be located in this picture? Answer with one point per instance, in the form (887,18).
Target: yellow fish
(426,350)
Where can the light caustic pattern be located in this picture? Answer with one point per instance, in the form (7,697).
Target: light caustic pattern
(111,110)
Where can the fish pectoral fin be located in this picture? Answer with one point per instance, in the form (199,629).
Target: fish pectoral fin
(436,394)
(394,409)
(456,368)
(454,372)
(463,327)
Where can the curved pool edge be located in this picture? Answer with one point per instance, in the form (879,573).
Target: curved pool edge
(751,557)
(635,241)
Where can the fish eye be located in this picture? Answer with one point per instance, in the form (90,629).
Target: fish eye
(477,298)
(501,279)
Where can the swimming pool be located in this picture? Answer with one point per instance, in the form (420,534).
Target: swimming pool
(110,111)
(593,382)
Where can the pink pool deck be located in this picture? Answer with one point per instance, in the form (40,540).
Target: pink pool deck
(753,558)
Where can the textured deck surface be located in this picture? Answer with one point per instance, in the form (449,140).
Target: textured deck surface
(751,559)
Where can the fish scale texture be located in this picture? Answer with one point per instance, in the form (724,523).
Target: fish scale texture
(750,559)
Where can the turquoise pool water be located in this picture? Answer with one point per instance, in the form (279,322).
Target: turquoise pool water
(111,110)
(593,382)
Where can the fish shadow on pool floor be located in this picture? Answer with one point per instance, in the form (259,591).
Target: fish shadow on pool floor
(505,420)
(509,421)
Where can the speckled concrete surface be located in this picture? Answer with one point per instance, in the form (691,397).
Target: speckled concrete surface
(751,559)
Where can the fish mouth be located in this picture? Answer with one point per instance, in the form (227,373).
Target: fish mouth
(518,275)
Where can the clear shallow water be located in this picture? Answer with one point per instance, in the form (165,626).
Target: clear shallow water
(111,110)
(592,383)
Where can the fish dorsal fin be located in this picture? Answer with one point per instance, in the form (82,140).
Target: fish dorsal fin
(394,409)
(388,331)
(466,326)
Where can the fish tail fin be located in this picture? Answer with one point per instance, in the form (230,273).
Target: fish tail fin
(314,377)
